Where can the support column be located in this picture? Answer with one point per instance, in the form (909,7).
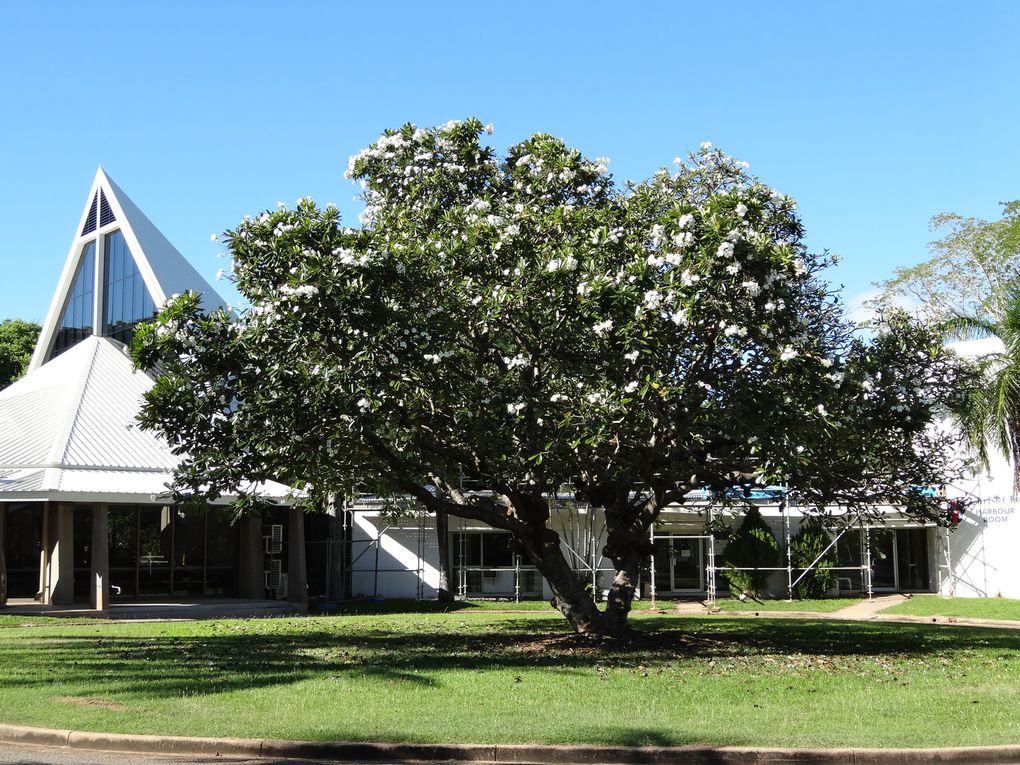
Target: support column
(3,555)
(251,578)
(297,572)
(99,590)
(43,593)
(335,551)
(61,555)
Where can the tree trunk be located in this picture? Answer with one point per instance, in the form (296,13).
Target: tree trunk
(621,594)
(443,544)
(569,596)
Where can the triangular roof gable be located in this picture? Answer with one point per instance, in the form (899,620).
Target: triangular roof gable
(163,269)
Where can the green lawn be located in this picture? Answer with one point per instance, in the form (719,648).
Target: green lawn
(824,605)
(964,608)
(489,677)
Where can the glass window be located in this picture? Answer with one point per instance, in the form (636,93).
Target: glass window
(76,321)
(126,299)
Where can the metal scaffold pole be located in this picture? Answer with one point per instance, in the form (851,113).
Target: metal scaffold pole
(711,559)
(651,573)
(785,510)
(866,558)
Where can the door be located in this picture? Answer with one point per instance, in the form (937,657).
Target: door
(899,559)
(679,564)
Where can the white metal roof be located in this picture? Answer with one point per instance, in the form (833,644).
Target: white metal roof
(68,432)
(69,427)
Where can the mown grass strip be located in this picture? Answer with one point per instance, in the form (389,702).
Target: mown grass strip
(963,608)
(507,678)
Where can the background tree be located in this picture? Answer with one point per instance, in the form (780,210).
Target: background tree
(752,548)
(970,289)
(17,341)
(972,270)
(806,548)
(990,414)
(520,325)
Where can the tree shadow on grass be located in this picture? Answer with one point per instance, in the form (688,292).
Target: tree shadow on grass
(228,656)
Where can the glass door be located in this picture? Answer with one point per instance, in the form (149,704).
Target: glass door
(679,564)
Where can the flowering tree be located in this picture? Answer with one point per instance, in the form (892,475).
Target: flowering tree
(519,324)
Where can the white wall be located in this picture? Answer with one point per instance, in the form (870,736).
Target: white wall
(985,547)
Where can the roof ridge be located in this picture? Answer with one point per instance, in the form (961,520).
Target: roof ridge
(70,422)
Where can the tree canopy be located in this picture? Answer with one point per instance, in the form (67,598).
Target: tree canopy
(17,341)
(972,270)
(523,325)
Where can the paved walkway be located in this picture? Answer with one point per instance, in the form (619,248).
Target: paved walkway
(220,608)
(865,610)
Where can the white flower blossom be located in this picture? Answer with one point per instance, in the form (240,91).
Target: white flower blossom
(725,250)
(557,397)
(631,357)
(652,299)
(515,408)
(733,268)
(679,317)
(789,352)
(364,403)
(706,145)
(630,387)
(740,209)
(603,327)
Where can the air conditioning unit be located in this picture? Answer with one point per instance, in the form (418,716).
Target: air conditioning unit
(274,542)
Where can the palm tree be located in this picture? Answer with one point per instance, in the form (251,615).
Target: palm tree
(990,413)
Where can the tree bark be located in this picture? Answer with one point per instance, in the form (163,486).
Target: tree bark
(445,595)
(621,594)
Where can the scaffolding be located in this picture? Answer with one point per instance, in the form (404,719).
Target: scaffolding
(373,545)
(582,530)
(793,574)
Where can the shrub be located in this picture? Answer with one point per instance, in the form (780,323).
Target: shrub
(752,546)
(805,547)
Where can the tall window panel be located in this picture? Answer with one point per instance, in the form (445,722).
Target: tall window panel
(126,298)
(76,321)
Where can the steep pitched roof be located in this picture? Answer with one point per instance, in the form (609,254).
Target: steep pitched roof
(163,269)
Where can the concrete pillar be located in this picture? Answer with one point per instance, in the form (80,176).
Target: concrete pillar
(297,570)
(335,551)
(61,557)
(99,590)
(43,593)
(3,554)
(250,560)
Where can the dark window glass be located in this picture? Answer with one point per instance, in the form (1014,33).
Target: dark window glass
(76,321)
(222,542)
(123,522)
(127,301)
(24,542)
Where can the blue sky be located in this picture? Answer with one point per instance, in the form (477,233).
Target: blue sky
(873,115)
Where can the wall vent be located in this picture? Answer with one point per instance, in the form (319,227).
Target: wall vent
(90,221)
(105,213)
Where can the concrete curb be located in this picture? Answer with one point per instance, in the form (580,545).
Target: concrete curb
(514,754)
